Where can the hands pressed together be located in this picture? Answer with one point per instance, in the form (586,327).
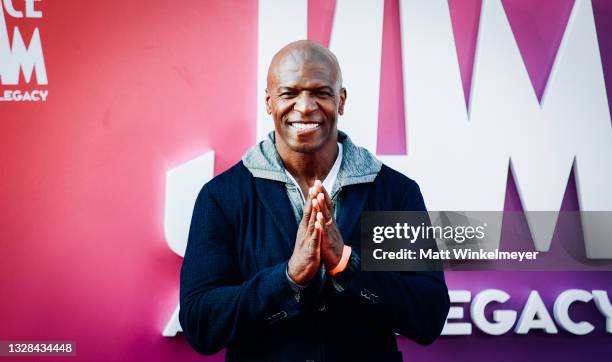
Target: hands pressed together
(318,239)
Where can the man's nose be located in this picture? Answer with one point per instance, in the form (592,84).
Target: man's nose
(305,103)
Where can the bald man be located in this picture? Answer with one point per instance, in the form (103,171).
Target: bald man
(271,269)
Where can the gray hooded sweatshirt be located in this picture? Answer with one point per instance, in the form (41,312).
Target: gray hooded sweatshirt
(358,166)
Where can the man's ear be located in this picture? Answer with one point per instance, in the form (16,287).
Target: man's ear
(342,101)
(268,106)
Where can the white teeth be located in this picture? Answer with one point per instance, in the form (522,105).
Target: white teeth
(301,126)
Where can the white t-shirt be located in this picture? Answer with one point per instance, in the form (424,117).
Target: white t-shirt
(330,179)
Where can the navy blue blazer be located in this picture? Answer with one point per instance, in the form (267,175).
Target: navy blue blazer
(234,292)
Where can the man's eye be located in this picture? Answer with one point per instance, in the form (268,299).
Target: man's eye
(324,94)
(287,94)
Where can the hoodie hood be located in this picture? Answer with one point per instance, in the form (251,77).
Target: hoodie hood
(358,164)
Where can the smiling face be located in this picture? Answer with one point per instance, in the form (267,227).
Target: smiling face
(304,97)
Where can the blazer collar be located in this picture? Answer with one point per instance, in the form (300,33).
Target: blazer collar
(353,201)
(273,196)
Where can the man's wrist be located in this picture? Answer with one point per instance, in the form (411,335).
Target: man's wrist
(341,280)
(342,261)
(296,287)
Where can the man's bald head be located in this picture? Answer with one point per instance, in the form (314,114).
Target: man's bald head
(305,96)
(297,54)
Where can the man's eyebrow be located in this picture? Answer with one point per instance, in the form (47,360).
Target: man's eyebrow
(321,88)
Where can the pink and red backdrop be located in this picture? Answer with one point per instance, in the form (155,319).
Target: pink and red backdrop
(138,87)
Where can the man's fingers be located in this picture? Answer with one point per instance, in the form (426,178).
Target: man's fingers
(318,187)
(312,216)
(328,201)
(321,222)
(307,212)
(320,218)
(323,206)
(315,204)
(327,212)
(317,235)
(321,198)
(321,202)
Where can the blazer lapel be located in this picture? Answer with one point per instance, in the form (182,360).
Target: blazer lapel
(353,202)
(273,196)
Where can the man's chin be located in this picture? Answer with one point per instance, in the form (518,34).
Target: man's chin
(305,147)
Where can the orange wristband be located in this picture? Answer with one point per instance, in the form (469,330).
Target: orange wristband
(346,255)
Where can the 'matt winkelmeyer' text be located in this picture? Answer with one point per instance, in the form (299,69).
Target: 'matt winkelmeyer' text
(457,254)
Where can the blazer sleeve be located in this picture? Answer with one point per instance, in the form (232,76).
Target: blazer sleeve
(216,305)
(413,304)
